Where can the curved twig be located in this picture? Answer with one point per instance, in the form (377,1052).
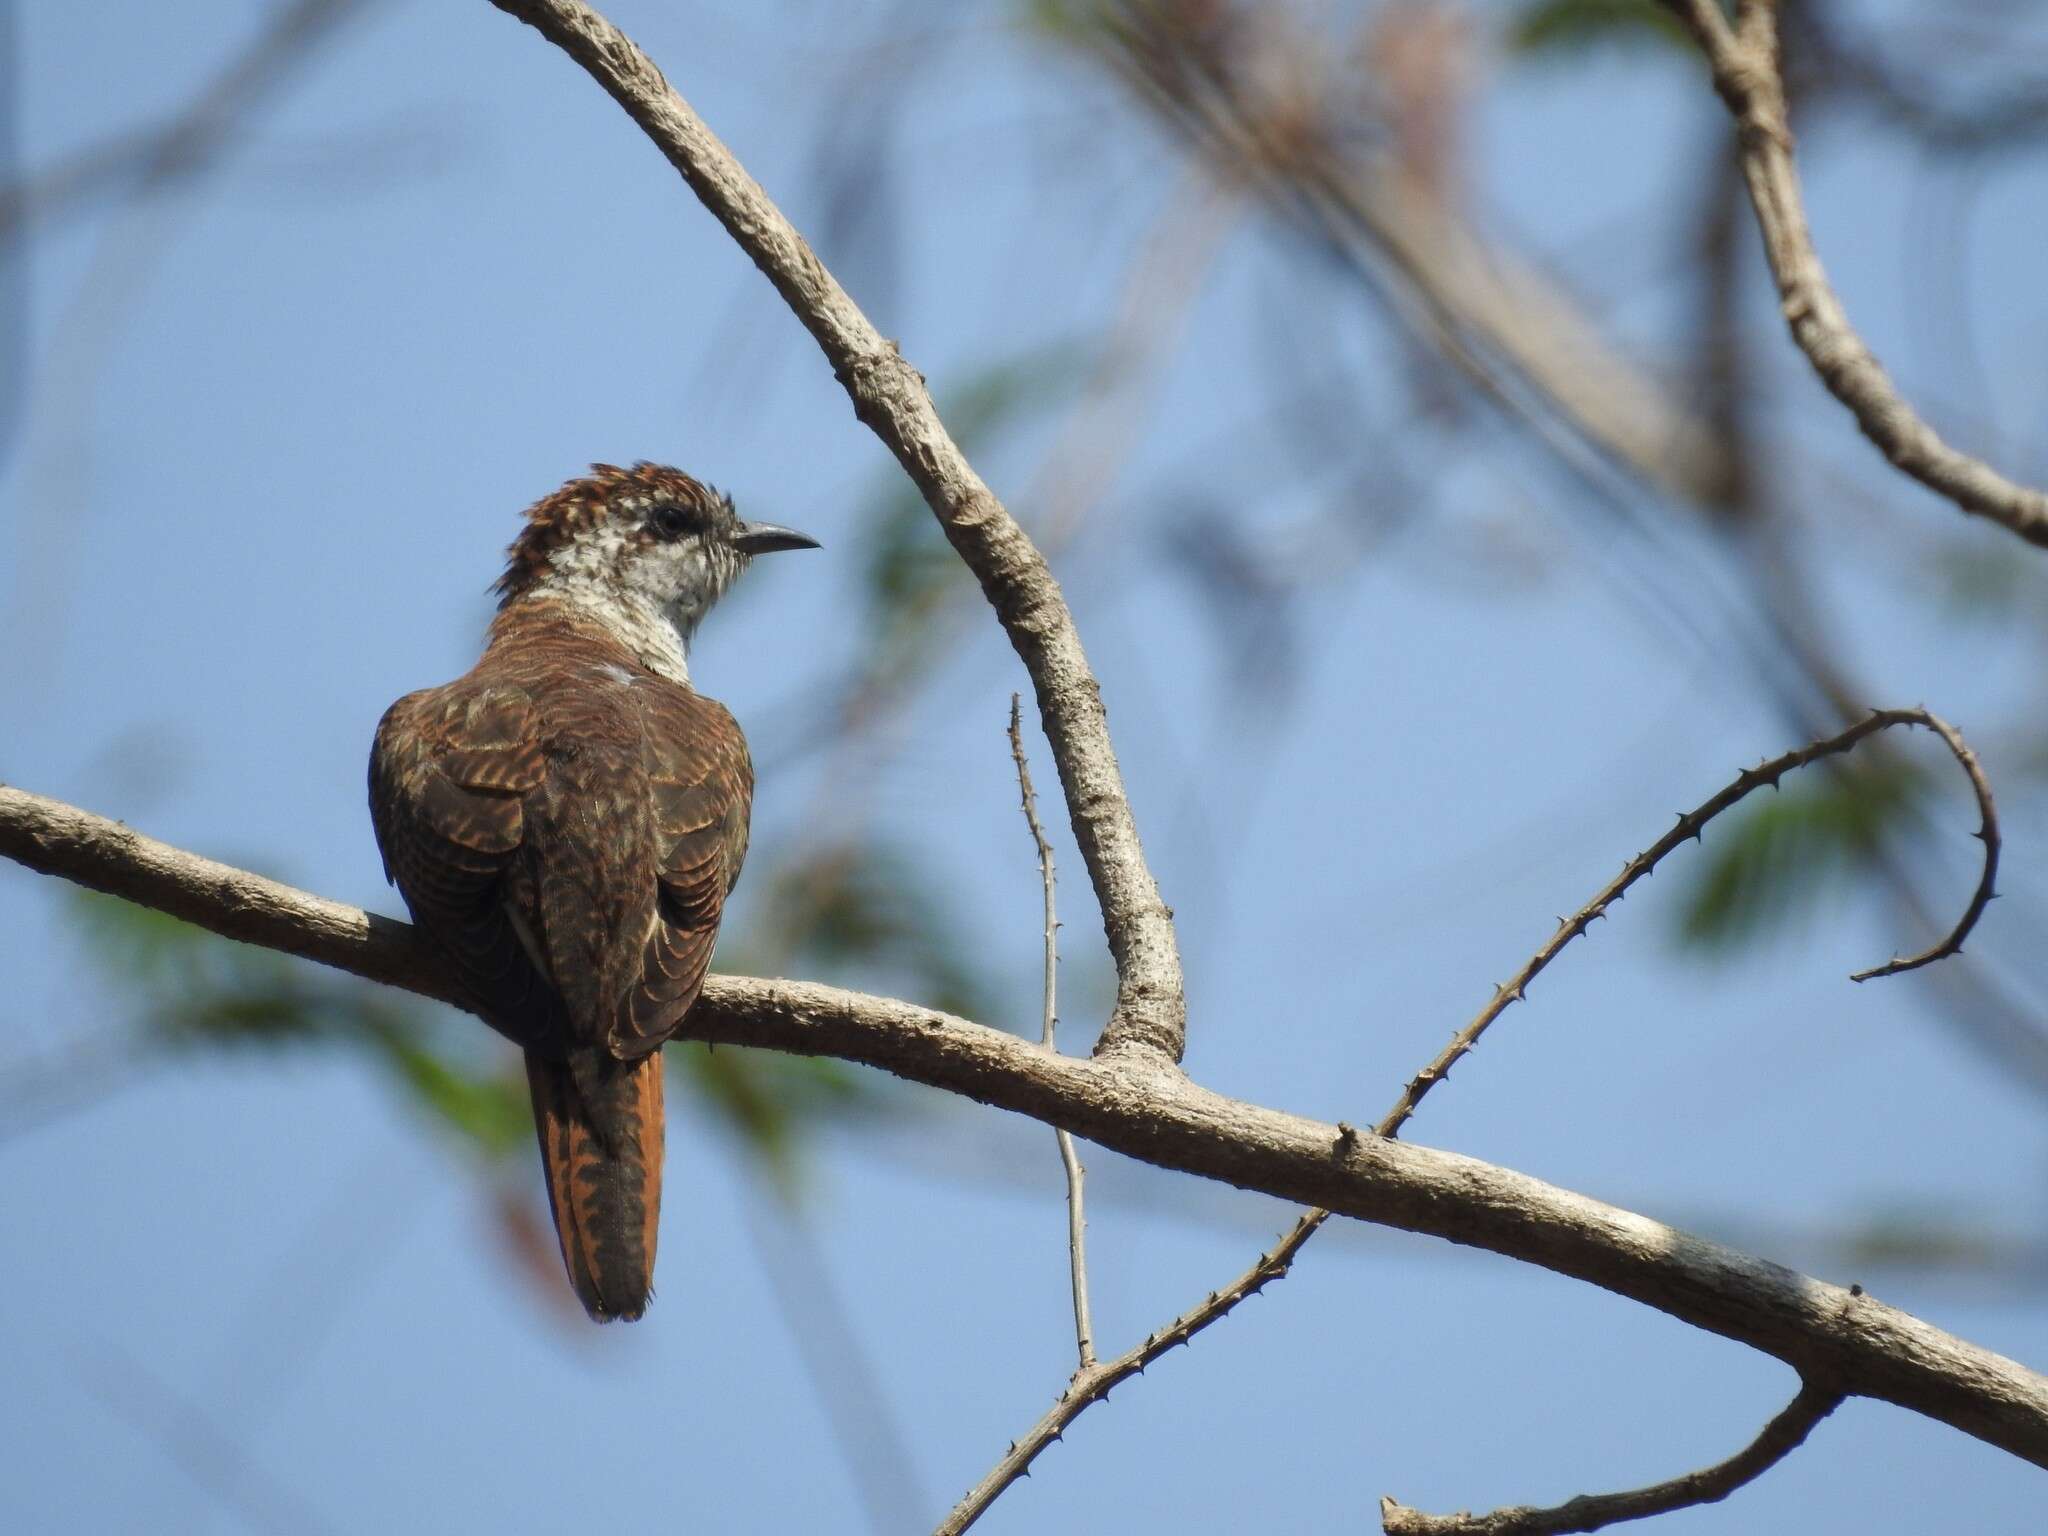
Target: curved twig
(890,397)
(1743,56)
(1590,1511)
(1691,824)
(1986,833)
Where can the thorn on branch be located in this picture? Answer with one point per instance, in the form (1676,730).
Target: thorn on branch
(1691,825)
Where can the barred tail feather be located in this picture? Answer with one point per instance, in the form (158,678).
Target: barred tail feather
(600,1125)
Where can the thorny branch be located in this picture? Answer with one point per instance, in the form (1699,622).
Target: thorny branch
(1077,1218)
(1690,825)
(890,397)
(1132,1103)
(1091,1386)
(1744,58)
(1590,1511)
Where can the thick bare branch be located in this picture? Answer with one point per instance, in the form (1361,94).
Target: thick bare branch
(103,855)
(890,397)
(1137,1105)
(1744,60)
(1589,1512)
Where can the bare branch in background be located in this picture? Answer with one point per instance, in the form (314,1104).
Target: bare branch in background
(1132,1103)
(1513,333)
(890,397)
(1744,58)
(1589,1512)
(187,143)
(216,1459)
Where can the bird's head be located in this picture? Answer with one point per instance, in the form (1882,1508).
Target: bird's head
(643,550)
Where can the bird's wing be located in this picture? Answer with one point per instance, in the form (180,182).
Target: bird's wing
(701,790)
(449,775)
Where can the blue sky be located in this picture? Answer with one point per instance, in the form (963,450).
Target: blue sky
(279,428)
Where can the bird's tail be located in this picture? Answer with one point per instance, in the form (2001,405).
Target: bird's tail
(600,1125)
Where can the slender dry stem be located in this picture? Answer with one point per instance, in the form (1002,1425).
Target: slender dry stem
(1590,1511)
(1077,1217)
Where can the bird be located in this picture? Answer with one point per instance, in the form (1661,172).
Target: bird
(565,822)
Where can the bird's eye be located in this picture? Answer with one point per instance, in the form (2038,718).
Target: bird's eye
(671,522)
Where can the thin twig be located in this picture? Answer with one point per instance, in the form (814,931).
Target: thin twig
(1689,827)
(1744,59)
(1590,1511)
(1077,1220)
(890,397)
(1093,1383)
(1133,1105)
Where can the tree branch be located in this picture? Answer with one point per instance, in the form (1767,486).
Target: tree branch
(1744,59)
(1691,824)
(1519,338)
(890,397)
(1135,1104)
(1779,1438)
(1096,1380)
(189,140)
(1091,1386)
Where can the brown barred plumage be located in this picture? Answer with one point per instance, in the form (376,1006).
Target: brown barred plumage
(565,822)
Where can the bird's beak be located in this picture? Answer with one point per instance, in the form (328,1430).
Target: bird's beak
(766,538)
